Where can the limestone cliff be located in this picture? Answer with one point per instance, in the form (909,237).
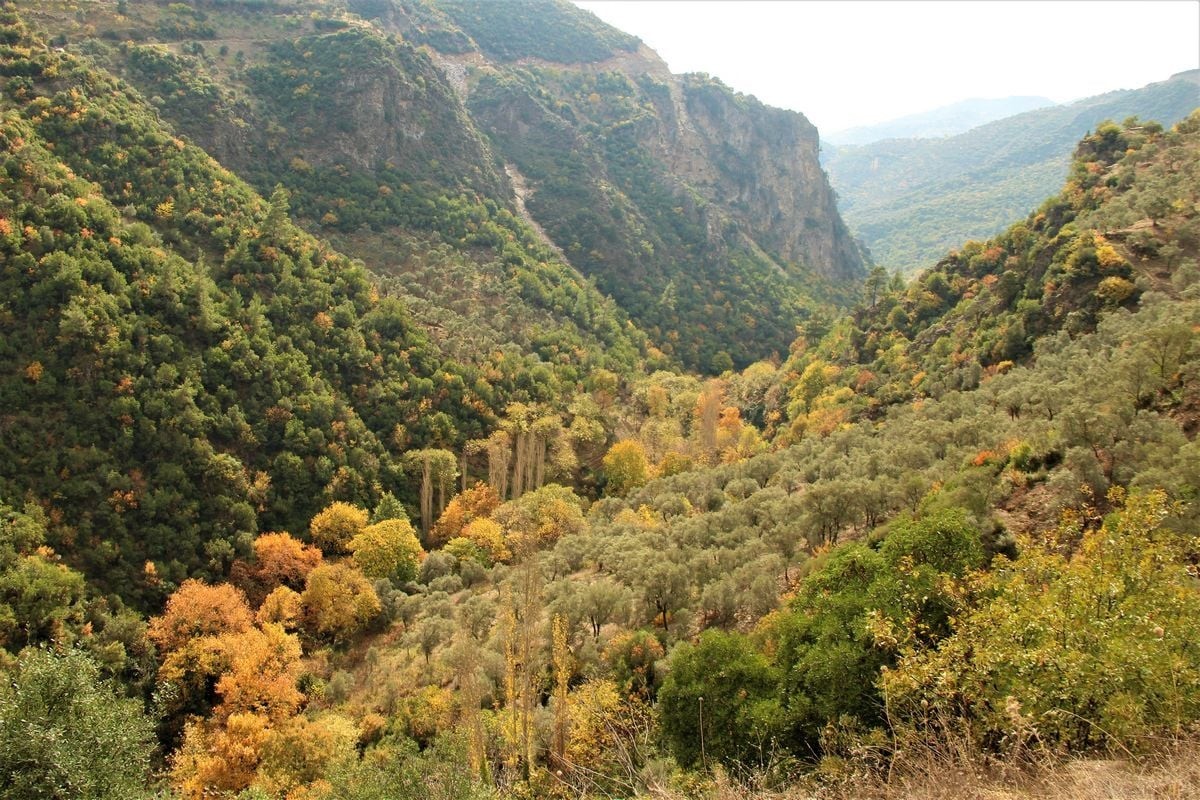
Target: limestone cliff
(702,212)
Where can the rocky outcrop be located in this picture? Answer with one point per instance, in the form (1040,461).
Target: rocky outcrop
(703,212)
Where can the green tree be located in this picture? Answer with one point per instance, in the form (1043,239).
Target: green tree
(720,702)
(1087,638)
(66,734)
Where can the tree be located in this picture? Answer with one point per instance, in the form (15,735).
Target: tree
(720,702)
(66,734)
(625,467)
(336,525)
(876,280)
(666,587)
(216,760)
(264,664)
(608,729)
(197,609)
(388,549)
(338,602)
(563,669)
(282,560)
(37,598)
(601,601)
(438,469)
(301,751)
(707,411)
(470,504)
(632,658)
(282,607)
(540,517)
(1087,638)
(488,537)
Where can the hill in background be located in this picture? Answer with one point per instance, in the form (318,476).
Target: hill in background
(943,121)
(911,200)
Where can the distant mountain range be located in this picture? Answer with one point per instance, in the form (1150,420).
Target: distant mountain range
(911,200)
(944,121)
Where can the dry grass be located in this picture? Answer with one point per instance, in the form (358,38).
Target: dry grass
(1173,774)
(1170,774)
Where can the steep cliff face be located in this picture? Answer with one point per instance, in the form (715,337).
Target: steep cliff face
(767,160)
(702,212)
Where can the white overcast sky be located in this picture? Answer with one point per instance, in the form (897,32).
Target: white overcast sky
(845,64)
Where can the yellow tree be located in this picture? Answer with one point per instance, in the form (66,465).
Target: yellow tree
(197,609)
(561,655)
(540,517)
(334,527)
(625,467)
(488,536)
(299,752)
(388,549)
(219,761)
(471,504)
(282,607)
(283,560)
(338,601)
(264,665)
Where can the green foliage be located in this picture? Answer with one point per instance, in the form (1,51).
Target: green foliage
(67,734)
(625,467)
(1088,638)
(585,141)
(548,29)
(395,770)
(911,200)
(38,596)
(982,307)
(388,549)
(719,701)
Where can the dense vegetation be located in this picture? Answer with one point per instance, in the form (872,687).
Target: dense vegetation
(911,200)
(626,171)
(542,29)
(611,205)
(266,534)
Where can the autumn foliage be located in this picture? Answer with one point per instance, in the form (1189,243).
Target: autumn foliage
(198,609)
(333,528)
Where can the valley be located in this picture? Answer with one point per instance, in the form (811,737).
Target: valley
(444,400)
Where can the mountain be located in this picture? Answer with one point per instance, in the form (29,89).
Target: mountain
(361,270)
(910,200)
(943,121)
(947,541)
(667,193)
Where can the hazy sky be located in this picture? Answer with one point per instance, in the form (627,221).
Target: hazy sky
(854,63)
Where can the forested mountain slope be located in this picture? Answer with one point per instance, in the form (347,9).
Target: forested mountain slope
(377,153)
(701,212)
(957,522)
(185,367)
(911,200)
(1125,224)
(1017,556)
